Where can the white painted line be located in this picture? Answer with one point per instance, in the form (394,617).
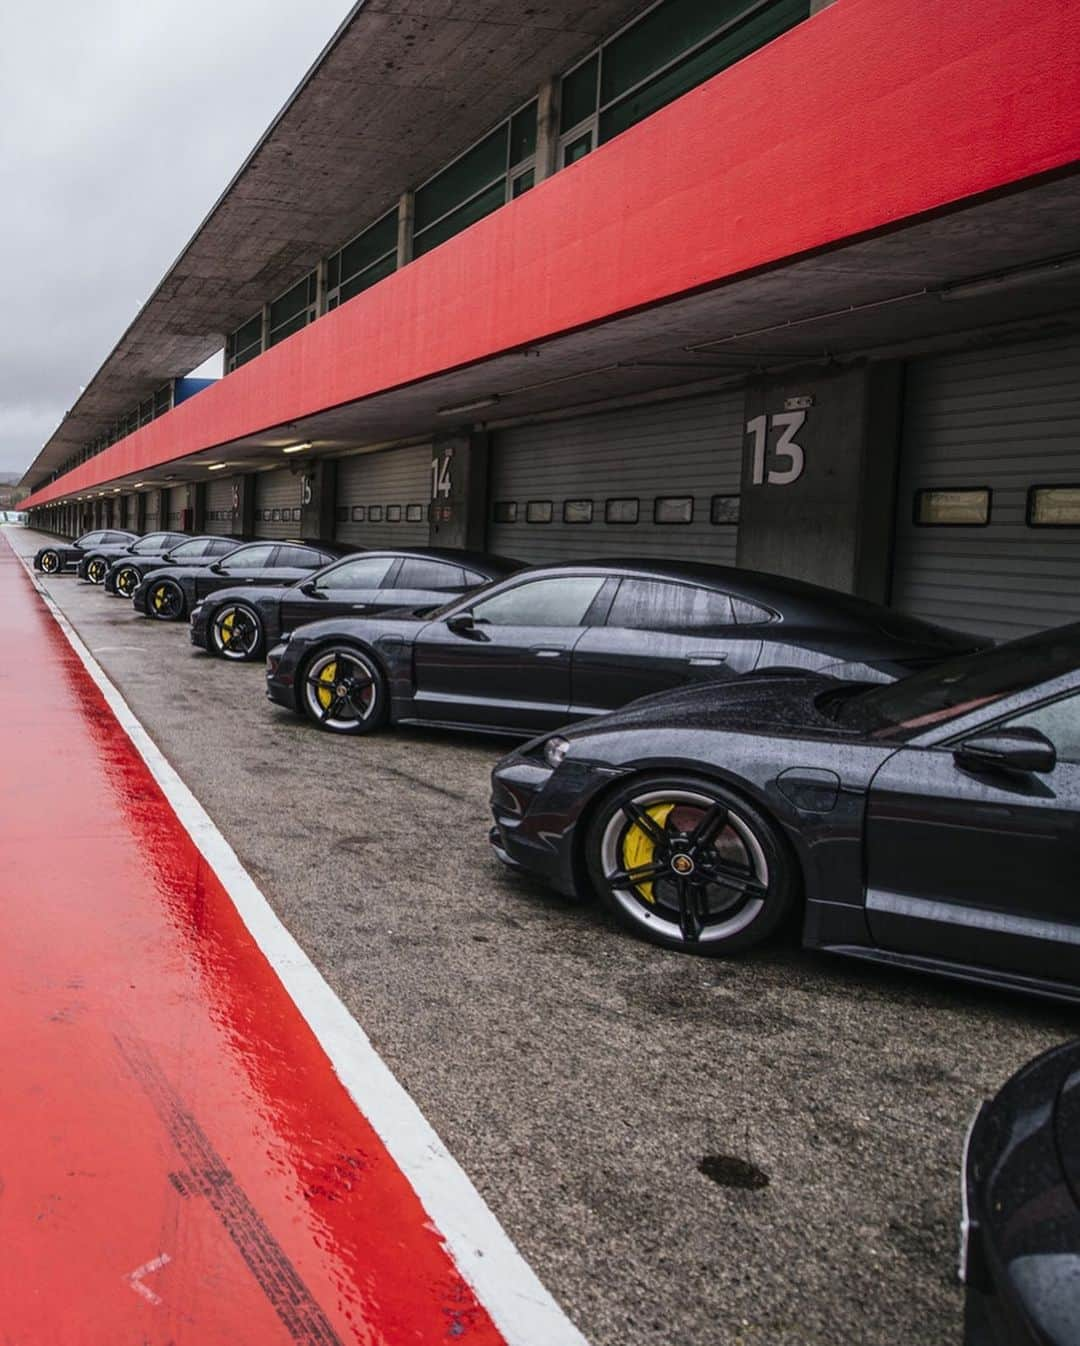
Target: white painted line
(135,1278)
(521,1308)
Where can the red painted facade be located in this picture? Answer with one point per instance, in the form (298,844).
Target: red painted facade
(870,113)
(181,1163)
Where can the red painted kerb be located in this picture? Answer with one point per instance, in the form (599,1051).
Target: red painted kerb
(870,113)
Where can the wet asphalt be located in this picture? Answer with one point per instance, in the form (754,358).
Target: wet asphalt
(594,1088)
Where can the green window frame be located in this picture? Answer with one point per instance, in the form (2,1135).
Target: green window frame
(244,344)
(363,261)
(293,310)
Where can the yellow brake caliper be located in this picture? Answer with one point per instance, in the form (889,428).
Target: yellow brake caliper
(638,847)
(159,598)
(226,628)
(329,676)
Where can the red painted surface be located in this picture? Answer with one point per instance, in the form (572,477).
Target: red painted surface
(870,113)
(163,1104)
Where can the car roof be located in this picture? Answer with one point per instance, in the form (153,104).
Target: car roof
(794,600)
(477,560)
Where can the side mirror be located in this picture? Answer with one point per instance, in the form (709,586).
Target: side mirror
(1016,749)
(308,587)
(461,623)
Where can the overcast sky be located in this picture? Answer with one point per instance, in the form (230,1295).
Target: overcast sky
(120,124)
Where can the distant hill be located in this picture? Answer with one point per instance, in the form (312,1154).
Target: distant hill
(9,478)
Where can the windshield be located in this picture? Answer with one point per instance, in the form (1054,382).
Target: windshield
(953,688)
(151,543)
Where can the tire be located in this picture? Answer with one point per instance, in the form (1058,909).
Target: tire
(236,632)
(127,581)
(50,562)
(355,704)
(665,829)
(96,569)
(166,601)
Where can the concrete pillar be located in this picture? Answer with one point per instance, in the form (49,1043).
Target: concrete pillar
(819,477)
(243,524)
(547,129)
(457,516)
(405,215)
(162,494)
(197,496)
(318,496)
(140,512)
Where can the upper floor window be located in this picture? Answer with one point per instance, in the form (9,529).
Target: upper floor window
(293,310)
(367,259)
(244,344)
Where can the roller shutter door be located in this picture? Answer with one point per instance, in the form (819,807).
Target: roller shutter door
(127,512)
(219,506)
(277,504)
(559,489)
(382,498)
(1004,420)
(178,502)
(153,514)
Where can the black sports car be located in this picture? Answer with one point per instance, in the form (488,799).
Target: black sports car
(95,561)
(933,822)
(1020,1233)
(125,574)
(170,594)
(59,556)
(238,623)
(558,643)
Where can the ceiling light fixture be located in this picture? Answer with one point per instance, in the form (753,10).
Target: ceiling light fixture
(491,401)
(215,467)
(296,448)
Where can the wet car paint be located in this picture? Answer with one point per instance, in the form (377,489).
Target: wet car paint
(883,831)
(1020,1236)
(525,679)
(69,554)
(165,542)
(181,1163)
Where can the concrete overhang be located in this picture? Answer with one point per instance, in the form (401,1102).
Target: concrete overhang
(652,265)
(402,87)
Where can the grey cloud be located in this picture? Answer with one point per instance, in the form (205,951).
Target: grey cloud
(120,124)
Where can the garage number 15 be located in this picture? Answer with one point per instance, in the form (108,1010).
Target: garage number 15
(789,423)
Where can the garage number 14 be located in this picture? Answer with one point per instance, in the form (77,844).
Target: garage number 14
(789,423)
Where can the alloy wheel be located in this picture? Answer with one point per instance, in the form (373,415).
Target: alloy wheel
(342,691)
(50,562)
(684,864)
(127,581)
(96,571)
(236,631)
(167,601)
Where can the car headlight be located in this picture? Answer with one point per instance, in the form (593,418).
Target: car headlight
(555,749)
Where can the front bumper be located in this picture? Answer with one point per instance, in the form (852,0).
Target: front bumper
(537,809)
(281,663)
(199,628)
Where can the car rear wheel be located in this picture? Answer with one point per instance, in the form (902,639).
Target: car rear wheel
(690,865)
(50,562)
(96,570)
(236,632)
(167,602)
(344,692)
(127,580)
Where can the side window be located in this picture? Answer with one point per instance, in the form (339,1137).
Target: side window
(92,540)
(1060,722)
(219,547)
(656,605)
(251,558)
(417,573)
(559,601)
(747,613)
(299,557)
(367,572)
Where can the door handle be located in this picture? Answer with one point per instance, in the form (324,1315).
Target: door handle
(547,652)
(707,660)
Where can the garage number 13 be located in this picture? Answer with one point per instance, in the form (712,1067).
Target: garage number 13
(789,423)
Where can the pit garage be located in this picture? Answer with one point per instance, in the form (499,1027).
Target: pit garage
(153,519)
(219,516)
(178,519)
(382,498)
(655,480)
(988,502)
(277,503)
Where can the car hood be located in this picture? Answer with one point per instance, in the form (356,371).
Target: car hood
(155,571)
(248,592)
(363,628)
(776,701)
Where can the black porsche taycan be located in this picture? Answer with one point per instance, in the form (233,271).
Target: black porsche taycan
(564,642)
(933,822)
(95,561)
(60,556)
(239,622)
(170,594)
(127,572)
(1020,1231)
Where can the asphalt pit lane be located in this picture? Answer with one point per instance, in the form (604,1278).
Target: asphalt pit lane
(727,1170)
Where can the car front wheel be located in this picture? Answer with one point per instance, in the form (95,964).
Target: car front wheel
(50,562)
(127,580)
(236,632)
(690,865)
(344,692)
(167,601)
(96,570)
